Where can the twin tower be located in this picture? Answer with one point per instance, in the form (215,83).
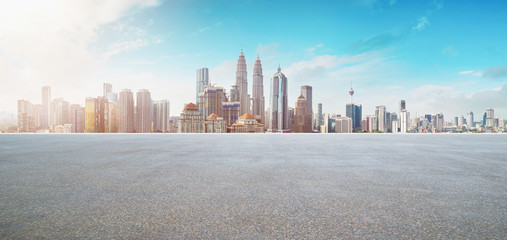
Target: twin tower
(277,118)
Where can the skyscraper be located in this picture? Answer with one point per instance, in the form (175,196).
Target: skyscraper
(26,119)
(301,123)
(126,113)
(380,113)
(354,112)
(143,111)
(402,105)
(210,100)
(90,120)
(258,91)
(77,118)
(279,116)
(490,115)
(46,107)
(108,88)
(404,121)
(306,91)
(202,80)
(230,112)
(439,118)
(470,120)
(319,117)
(161,116)
(241,81)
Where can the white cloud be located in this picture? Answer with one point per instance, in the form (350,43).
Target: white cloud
(422,23)
(117,48)
(48,43)
(471,72)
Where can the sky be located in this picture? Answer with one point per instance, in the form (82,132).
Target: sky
(439,56)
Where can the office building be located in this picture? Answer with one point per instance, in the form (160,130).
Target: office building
(143,111)
(380,114)
(46,107)
(77,114)
(26,118)
(211,99)
(306,92)
(230,112)
(279,115)
(302,121)
(202,80)
(343,125)
(161,116)
(126,111)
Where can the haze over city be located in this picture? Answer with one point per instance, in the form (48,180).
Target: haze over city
(439,56)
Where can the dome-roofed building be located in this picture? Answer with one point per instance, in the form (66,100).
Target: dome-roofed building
(191,120)
(215,124)
(246,124)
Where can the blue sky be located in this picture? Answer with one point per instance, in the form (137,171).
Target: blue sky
(441,56)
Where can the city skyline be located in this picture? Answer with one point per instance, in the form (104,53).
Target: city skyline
(133,45)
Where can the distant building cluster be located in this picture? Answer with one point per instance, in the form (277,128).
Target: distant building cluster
(110,113)
(216,111)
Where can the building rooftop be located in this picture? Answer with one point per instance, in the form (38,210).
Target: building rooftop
(247,116)
(191,105)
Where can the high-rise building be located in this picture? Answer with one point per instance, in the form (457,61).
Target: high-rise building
(490,114)
(258,91)
(354,112)
(242,83)
(373,124)
(402,105)
(46,107)
(191,120)
(161,116)
(126,112)
(26,118)
(306,91)
(202,80)
(90,119)
(279,116)
(394,118)
(470,120)
(461,121)
(211,99)
(301,119)
(380,113)
(230,112)
(395,127)
(439,118)
(107,88)
(404,121)
(60,112)
(95,115)
(291,117)
(77,118)
(319,116)
(365,124)
(343,125)
(111,117)
(143,111)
